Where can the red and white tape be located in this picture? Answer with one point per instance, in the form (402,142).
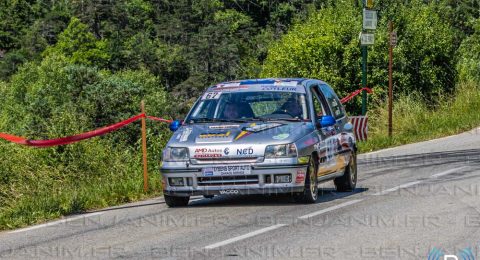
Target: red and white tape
(79,137)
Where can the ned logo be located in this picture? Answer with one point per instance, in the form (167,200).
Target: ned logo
(463,254)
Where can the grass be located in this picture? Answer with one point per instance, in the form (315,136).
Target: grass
(414,121)
(37,185)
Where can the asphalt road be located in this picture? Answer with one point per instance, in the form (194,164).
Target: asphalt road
(410,201)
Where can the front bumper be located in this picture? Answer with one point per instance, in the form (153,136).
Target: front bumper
(261,180)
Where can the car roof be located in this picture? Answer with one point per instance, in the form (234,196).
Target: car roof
(247,83)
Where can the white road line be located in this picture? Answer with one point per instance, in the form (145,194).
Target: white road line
(341,205)
(66,220)
(403,186)
(251,234)
(448,172)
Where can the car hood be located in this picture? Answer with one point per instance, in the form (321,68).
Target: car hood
(229,140)
(243,133)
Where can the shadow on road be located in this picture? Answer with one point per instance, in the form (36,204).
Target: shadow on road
(325,195)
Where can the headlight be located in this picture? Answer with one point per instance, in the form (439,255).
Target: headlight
(282,150)
(173,154)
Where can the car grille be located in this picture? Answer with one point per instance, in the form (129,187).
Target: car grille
(227,180)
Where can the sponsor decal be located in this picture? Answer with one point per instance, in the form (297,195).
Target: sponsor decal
(208,173)
(300,176)
(215,135)
(229,86)
(226,151)
(221,127)
(281,136)
(227,170)
(276,88)
(262,127)
(228,191)
(254,128)
(207,153)
(242,134)
(245,151)
(183,136)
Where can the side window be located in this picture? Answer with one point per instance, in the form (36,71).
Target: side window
(333,102)
(318,107)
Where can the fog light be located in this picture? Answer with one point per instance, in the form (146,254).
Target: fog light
(283,178)
(300,176)
(177,181)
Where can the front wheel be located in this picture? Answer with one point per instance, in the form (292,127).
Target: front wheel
(348,181)
(174,201)
(310,194)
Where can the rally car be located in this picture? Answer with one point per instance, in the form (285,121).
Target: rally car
(260,136)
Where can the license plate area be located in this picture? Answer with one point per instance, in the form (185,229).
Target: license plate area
(227,170)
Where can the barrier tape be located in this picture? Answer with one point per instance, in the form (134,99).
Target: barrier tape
(79,137)
(159,119)
(353,94)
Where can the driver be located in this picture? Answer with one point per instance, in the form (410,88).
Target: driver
(230,111)
(292,108)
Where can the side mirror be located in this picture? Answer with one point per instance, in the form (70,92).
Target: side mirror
(174,125)
(327,121)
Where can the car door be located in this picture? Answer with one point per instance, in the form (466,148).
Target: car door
(327,148)
(338,112)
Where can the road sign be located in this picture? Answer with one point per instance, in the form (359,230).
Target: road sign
(393,38)
(369,19)
(367,38)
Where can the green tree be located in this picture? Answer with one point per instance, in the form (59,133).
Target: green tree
(80,46)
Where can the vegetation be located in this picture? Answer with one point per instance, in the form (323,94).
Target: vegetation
(415,121)
(71,66)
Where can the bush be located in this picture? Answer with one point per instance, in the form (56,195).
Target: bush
(469,57)
(54,99)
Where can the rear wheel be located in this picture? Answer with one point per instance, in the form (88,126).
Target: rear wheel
(310,194)
(348,181)
(174,201)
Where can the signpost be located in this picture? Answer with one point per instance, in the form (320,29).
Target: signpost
(367,38)
(391,43)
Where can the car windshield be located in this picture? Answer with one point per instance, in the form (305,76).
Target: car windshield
(247,106)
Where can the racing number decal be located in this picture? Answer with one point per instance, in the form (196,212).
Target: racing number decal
(212,95)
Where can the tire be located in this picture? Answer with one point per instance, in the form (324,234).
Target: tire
(310,194)
(174,201)
(348,181)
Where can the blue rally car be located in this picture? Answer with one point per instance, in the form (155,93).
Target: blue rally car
(260,136)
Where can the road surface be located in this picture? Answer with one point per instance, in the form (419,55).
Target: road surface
(411,202)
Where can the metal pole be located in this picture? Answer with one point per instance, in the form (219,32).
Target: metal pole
(364,79)
(144,148)
(390,80)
